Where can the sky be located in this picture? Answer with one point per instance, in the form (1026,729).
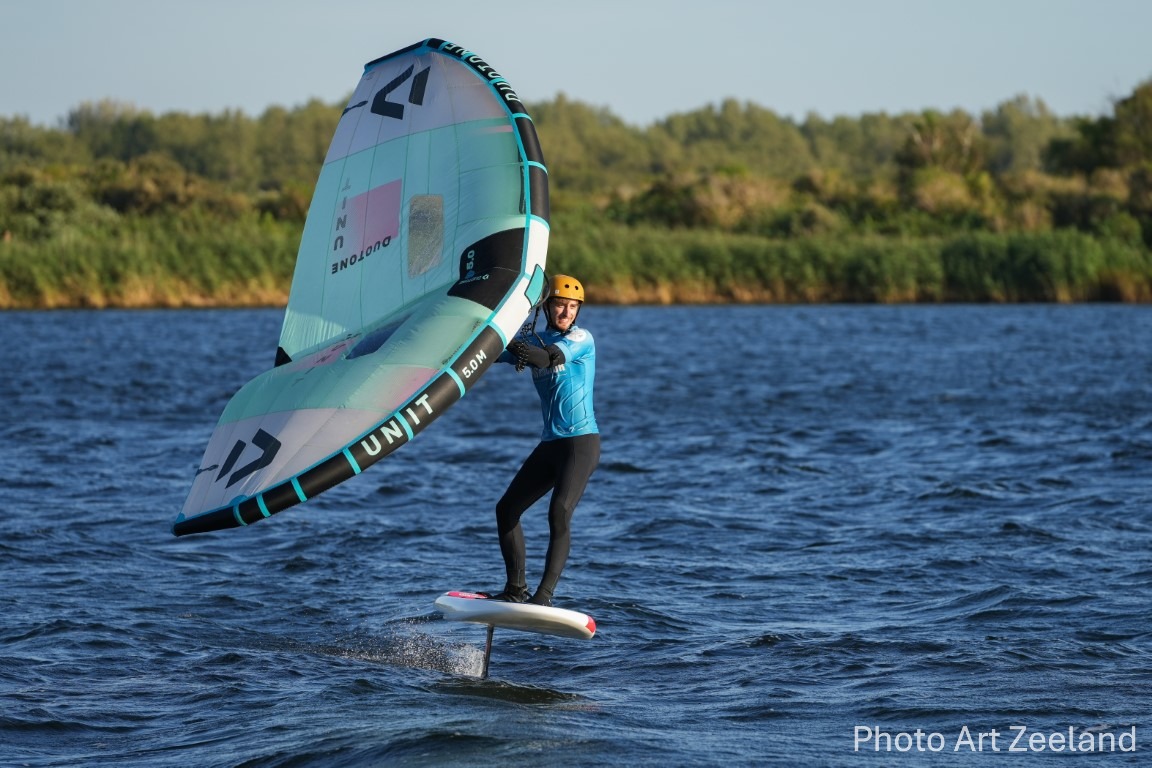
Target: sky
(642,60)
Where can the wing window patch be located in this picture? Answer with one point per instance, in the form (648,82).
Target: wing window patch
(425,233)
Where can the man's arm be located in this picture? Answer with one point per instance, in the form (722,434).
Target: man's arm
(537,357)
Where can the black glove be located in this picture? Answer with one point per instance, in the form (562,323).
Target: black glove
(528,354)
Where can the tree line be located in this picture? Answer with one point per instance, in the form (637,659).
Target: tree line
(730,202)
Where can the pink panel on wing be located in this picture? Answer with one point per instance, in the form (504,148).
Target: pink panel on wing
(372,217)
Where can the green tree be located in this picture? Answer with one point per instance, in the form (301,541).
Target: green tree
(1091,145)
(863,148)
(589,150)
(1017,133)
(951,142)
(1132,142)
(290,145)
(755,138)
(23,144)
(112,129)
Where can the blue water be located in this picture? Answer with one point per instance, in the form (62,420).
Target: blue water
(814,532)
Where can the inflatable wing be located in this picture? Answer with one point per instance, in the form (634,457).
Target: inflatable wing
(422,255)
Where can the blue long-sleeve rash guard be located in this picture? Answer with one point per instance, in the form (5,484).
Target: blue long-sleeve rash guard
(564,384)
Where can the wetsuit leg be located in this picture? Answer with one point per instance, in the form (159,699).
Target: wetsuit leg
(535,477)
(574,460)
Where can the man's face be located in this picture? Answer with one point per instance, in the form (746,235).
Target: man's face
(562,312)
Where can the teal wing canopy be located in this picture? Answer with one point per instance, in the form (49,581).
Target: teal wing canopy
(422,254)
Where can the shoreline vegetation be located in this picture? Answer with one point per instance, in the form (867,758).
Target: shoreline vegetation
(187,268)
(118,208)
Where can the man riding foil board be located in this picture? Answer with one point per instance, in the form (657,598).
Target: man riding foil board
(563,366)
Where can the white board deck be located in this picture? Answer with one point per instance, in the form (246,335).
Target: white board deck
(470,606)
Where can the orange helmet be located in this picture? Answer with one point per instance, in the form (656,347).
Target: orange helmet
(565,287)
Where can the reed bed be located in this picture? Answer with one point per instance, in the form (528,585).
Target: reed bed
(209,261)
